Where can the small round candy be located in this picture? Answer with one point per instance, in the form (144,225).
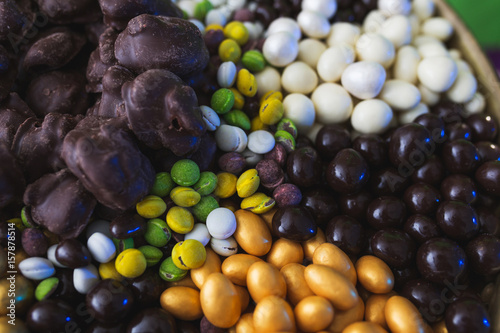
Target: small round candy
(85,278)
(375,47)
(326,7)
(108,271)
(152,254)
(332,103)
(163,184)
(231,138)
(400,95)
(238,118)
(237,32)
(253,60)
(226,74)
(221,223)
(464,88)
(364,79)
(36,268)
(222,101)
(298,77)
(437,73)
(246,83)
(343,32)
(333,61)
(101,247)
(204,207)
(299,109)
(394,7)
(437,27)
(185,172)
(157,233)
(372,116)
(210,117)
(271,111)
(229,50)
(226,185)
(199,233)
(397,29)
(313,24)
(224,247)
(467,315)
(261,142)
(310,50)
(151,207)
(46,288)
(170,272)
(131,263)
(180,220)
(189,254)
(284,24)
(185,196)
(206,184)
(269,79)
(280,49)
(248,183)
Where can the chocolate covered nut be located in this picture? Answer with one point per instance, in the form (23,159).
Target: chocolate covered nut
(482,252)
(321,204)
(73,254)
(421,198)
(460,156)
(8,72)
(421,228)
(70,11)
(488,151)
(346,233)
(38,145)
(457,220)
(394,247)
(483,127)
(109,164)
(154,42)
(110,301)
(373,148)
(51,316)
(163,112)
(488,177)
(112,104)
(348,172)
(13,112)
(95,71)
(117,14)
(386,212)
(16,18)
(127,225)
(294,223)
(331,139)
(232,162)
(34,242)
(64,191)
(11,178)
(154,320)
(270,173)
(304,167)
(409,147)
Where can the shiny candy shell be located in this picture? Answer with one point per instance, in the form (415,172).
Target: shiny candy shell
(221,223)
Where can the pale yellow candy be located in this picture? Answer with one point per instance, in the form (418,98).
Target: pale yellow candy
(248,183)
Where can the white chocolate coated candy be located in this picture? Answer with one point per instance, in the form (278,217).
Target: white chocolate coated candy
(215,16)
(429,97)
(226,74)
(424,8)
(299,109)
(415,25)
(397,29)
(364,79)
(260,142)
(231,138)
(334,61)
(373,21)
(438,27)
(326,7)
(221,223)
(267,80)
(36,268)
(255,29)
(224,247)
(313,24)
(285,24)
(84,278)
(372,116)
(310,50)
(210,117)
(199,233)
(410,115)
(400,95)
(394,7)
(463,89)
(342,32)
(332,102)
(406,64)
(437,73)
(377,48)
(476,104)
(429,50)
(51,255)
(299,77)
(423,39)
(102,248)
(280,49)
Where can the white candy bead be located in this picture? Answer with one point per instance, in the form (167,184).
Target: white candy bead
(372,116)
(364,79)
(280,49)
(342,32)
(215,16)
(102,248)
(254,29)
(423,8)
(101,226)
(313,24)
(226,74)
(36,268)
(310,50)
(285,24)
(298,77)
(375,47)
(415,25)
(455,54)
(326,7)
(51,255)
(429,97)
(476,104)
(199,233)
(210,117)
(429,50)
(334,61)
(397,29)
(224,247)
(332,102)
(221,223)
(267,80)
(188,6)
(463,66)
(410,115)
(231,138)
(260,142)
(437,73)
(236,4)
(199,25)
(438,27)
(299,109)
(424,39)
(313,131)
(400,95)
(394,7)
(464,88)
(251,158)
(373,21)
(406,64)
(85,278)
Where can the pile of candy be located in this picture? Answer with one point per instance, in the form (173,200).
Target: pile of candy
(243,166)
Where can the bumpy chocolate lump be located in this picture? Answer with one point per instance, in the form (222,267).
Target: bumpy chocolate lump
(163,112)
(151,42)
(13,112)
(109,164)
(70,11)
(11,178)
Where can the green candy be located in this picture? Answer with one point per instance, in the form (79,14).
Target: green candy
(204,207)
(24,218)
(170,272)
(238,118)
(152,254)
(201,9)
(123,244)
(206,184)
(286,139)
(157,233)
(46,288)
(185,173)
(287,125)
(254,61)
(222,101)
(163,185)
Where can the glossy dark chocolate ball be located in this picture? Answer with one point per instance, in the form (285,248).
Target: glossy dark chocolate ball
(488,151)
(409,147)
(432,172)
(467,315)
(348,172)
(355,205)
(373,149)
(459,188)
(110,301)
(321,204)
(52,316)
(152,320)
(426,296)
(488,177)
(394,247)
(72,253)
(457,220)
(304,167)
(386,212)
(483,127)
(422,198)
(421,228)
(346,233)
(127,225)
(484,254)
(388,181)
(460,156)
(294,223)
(331,139)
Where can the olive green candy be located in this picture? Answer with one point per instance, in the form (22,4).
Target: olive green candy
(201,9)
(238,118)
(185,196)
(206,184)
(204,207)
(287,125)
(152,254)
(171,273)
(163,184)
(185,172)
(46,288)
(157,233)
(25,219)
(254,61)
(123,244)
(222,101)
(286,139)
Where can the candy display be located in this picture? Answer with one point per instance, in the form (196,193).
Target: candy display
(244,166)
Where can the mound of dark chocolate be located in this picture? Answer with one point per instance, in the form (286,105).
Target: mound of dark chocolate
(151,42)
(8,73)
(70,11)
(11,178)
(109,164)
(112,104)
(15,18)
(163,112)
(13,112)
